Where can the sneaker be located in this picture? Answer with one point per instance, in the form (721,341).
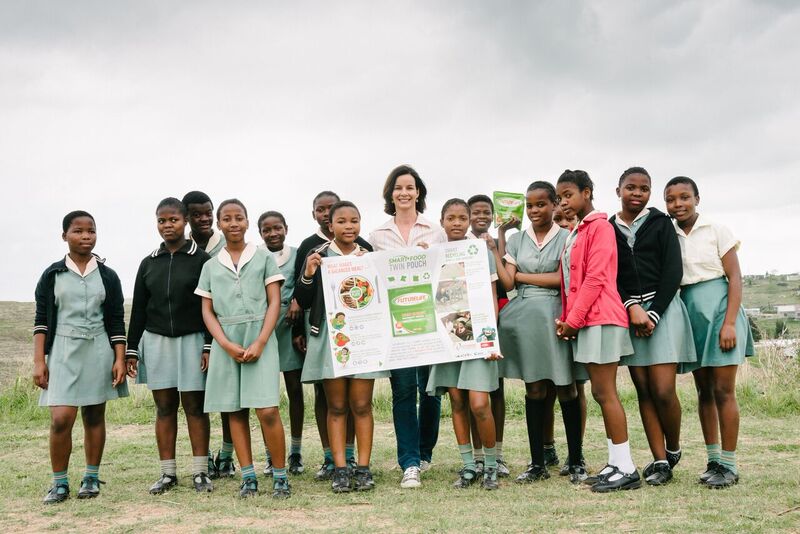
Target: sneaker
(502,469)
(341,480)
(577,474)
(296,464)
(489,481)
(325,471)
(479,467)
(90,488)
(166,482)
(268,468)
(224,467)
(56,494)
(532,474)
(660,474)
(363,479)
(723,478)
(411,478)
(352,464)
(281,488)
(466,477)
(673,458)
(212,466)
(550,457)
(249,488)
(711,470)
(617,480)
(424,465)
(202,483)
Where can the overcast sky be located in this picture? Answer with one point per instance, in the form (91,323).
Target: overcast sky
(112,106)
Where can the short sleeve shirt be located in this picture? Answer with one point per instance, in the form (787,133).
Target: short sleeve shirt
(703,248)
(237,290)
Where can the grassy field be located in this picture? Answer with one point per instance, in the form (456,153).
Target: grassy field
(766,500)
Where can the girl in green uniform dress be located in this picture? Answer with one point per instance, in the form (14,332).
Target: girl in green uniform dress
(78,351)
(353,392)
(273,228)
(243,368)
(531,350)
(648,278)
(711,288)
(469,382)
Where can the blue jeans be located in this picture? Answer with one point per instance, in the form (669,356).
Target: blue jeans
(416,433)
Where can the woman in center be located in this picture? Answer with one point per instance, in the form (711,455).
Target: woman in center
(469,382)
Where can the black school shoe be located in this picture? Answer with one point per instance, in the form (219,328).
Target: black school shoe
(56,494)
(532,474)
(626,481)
(90,488)
(564,471)
(577,473)
(281,488)
(674,458)
(660,474)
(325,471)
(466,477)
(202,483)
(341,480)
(212,466)
(363,479)
(601,475)
(249,488)
(711,470)
(489,481)
(163,484)
(480,465)
(296,464)
(723,478)
(224,467)
(550,456)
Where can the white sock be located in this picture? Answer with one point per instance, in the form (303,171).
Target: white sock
(199,464)
(610,457)
(674,452)
(621,457)
(170,467)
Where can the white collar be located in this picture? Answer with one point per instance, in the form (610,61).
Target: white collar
(551,234)
(282,256)
(213,241)
(644,213)
(392,225)
(224,257)
(90,266)
(472,235)
(320,234)
(335,248)
(699,223)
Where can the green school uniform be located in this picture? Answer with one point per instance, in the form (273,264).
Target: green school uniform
(531,350)
(599,343)
(290,359)
(81,358)
(171,362)
(671,341)
(318,364)
(472,375)
(240,303)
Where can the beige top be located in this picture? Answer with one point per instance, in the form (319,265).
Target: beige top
(703,248)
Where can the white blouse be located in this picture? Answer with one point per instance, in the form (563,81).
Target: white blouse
(703,248)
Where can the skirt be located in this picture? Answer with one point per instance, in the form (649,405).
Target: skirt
(171,362)
(290,359)
(601,344)
(80,364)
(528,342)
(472,375)
(707,303)
(671,341)
(232,386)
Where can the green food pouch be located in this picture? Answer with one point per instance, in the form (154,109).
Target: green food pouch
(507,205)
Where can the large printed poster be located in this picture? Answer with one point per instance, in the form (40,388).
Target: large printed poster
(409,307)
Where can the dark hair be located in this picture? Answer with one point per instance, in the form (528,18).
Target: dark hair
(634,170)
(196,197)
(172,202)
(474,199)
(339,205)
(547,186)
(579,178)
(683,180)
(266,214)
(71,216)
(325,194)
(454,202)
(231,201)
(391,180)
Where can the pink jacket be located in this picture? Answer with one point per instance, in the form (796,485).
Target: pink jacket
(593,298)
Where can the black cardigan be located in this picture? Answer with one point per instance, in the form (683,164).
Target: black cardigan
(651,271)
(47,312)
(309,293)
(164,301)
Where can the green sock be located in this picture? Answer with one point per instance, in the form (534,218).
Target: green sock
(728,459)
(713,452)
(491,457)
(328,454)
(349,450)
(498,446)
(478,454)
(60,478)
(296,445)
(92,471)
(248,471)
(468,458)
(279,473)
(226,452)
